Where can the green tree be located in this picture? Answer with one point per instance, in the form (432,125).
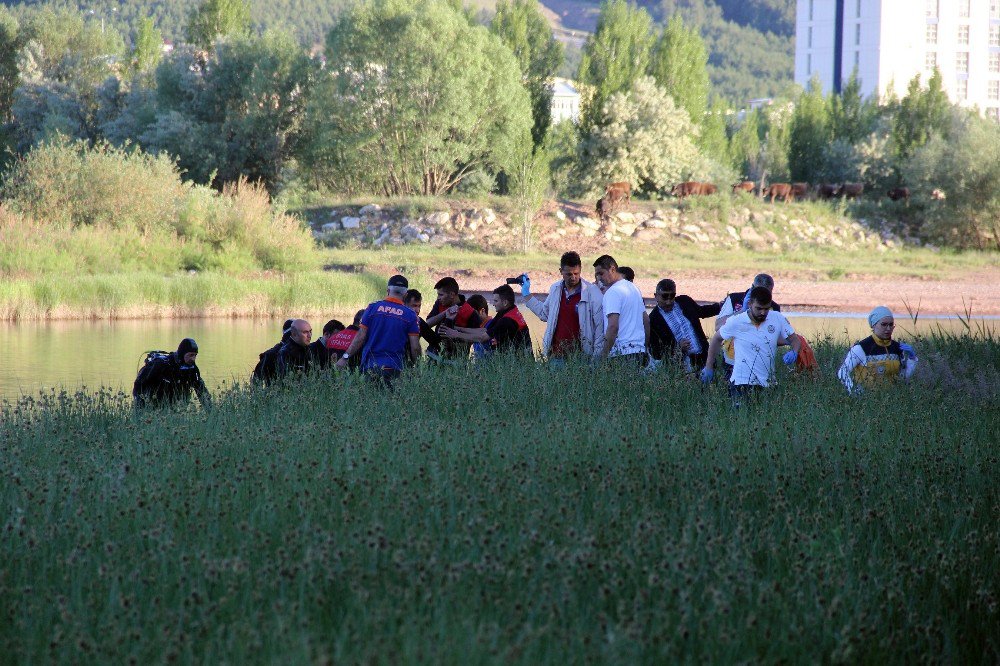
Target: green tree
(775,129)
(213,19)
(713,139)
(614,57)
(642,138)
(852,118)
(60,45)
(10,44)
(964,162)
(679,65)
(745,146)
(920,113)
(417,99)
(810,133)
(147,49)
(525,31)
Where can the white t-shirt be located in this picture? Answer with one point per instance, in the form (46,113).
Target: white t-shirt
(755,346)
(624,299)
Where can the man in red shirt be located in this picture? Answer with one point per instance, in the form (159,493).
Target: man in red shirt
(572,312)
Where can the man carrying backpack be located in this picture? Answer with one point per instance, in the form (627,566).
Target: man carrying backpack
(168,378)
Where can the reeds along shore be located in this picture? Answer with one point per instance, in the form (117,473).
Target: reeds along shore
(515,513)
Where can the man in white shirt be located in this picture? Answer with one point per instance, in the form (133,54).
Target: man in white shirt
(624,332)
(756,334)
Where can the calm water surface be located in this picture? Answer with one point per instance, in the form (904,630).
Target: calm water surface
(36,356)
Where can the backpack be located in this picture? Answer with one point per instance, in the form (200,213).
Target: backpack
(266,369)
(144,373)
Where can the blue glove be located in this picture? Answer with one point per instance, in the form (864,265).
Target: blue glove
(908,350)
(790,357)
(707,374)
(525,285)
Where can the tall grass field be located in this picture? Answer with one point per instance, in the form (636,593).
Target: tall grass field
(511,513)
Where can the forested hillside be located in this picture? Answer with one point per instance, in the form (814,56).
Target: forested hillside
(750,42)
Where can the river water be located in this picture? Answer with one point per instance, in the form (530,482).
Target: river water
(74,355)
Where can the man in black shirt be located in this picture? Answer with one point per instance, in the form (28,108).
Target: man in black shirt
(294,357)
(675,324)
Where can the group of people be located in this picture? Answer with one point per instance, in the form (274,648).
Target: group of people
(604,321)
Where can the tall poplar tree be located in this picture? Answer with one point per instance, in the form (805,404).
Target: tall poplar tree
(810,133)
(679,63)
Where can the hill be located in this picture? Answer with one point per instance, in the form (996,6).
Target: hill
(750,42)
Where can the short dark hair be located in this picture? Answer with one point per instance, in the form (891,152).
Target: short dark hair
(627,273)
(478,302)
(448,284)
(761,294)
(666,284)
(412,295)
(332,326)
(570,259)
(357,317)
(505,292)
(606,261)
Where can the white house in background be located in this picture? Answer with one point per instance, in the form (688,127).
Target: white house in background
(889,42)
(565,101)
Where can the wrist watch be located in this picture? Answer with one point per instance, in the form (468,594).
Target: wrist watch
(345,355)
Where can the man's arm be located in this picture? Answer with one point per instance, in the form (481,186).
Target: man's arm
(415,351)
(540,308)
(713,350)
(466,334)
(610,334)
(356,344)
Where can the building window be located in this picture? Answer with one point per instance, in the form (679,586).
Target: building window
(932,8)
(963,34)
(993,113)
(932,33)
(994,90)
(809,65)
(962,62)
(810,37)
(995,63)
(995,35)
(995,9)
(963,8)
(857,34)
(857,60)
(857,9)
(930,61)
(810,10)
(962,89)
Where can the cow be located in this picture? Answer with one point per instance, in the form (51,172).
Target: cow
(852,190)
(800,190)
(827,190)
(899,193)
(743,186)
(783,190)
(692,187)
(938,195)
(623,190)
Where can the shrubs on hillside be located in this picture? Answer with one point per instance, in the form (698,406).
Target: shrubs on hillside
(75,208)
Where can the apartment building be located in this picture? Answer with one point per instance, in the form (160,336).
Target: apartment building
(888,42)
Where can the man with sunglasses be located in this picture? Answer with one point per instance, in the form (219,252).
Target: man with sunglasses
(675,327)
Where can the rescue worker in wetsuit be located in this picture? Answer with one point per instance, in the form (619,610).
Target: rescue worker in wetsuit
(878,359)
(170,378)
(266,370)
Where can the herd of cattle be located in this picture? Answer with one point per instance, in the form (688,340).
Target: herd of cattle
(619,194)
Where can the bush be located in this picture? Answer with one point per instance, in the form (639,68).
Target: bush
(105,209)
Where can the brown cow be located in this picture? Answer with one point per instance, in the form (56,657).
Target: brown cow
(852,190)
(783,190)
(692,187)
(827,190)
(743,186)
(623,188)
(800,190)
(898,193)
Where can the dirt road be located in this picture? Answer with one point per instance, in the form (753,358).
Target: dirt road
(981,291)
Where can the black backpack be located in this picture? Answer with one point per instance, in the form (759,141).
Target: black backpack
(266,370)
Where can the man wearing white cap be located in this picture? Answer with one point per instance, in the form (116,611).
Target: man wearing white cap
(878,359)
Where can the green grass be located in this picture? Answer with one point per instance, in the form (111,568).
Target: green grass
(511,514)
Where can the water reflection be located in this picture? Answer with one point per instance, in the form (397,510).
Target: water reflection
(38,356)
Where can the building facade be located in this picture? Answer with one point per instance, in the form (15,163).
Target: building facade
(888,42)
(565,101)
